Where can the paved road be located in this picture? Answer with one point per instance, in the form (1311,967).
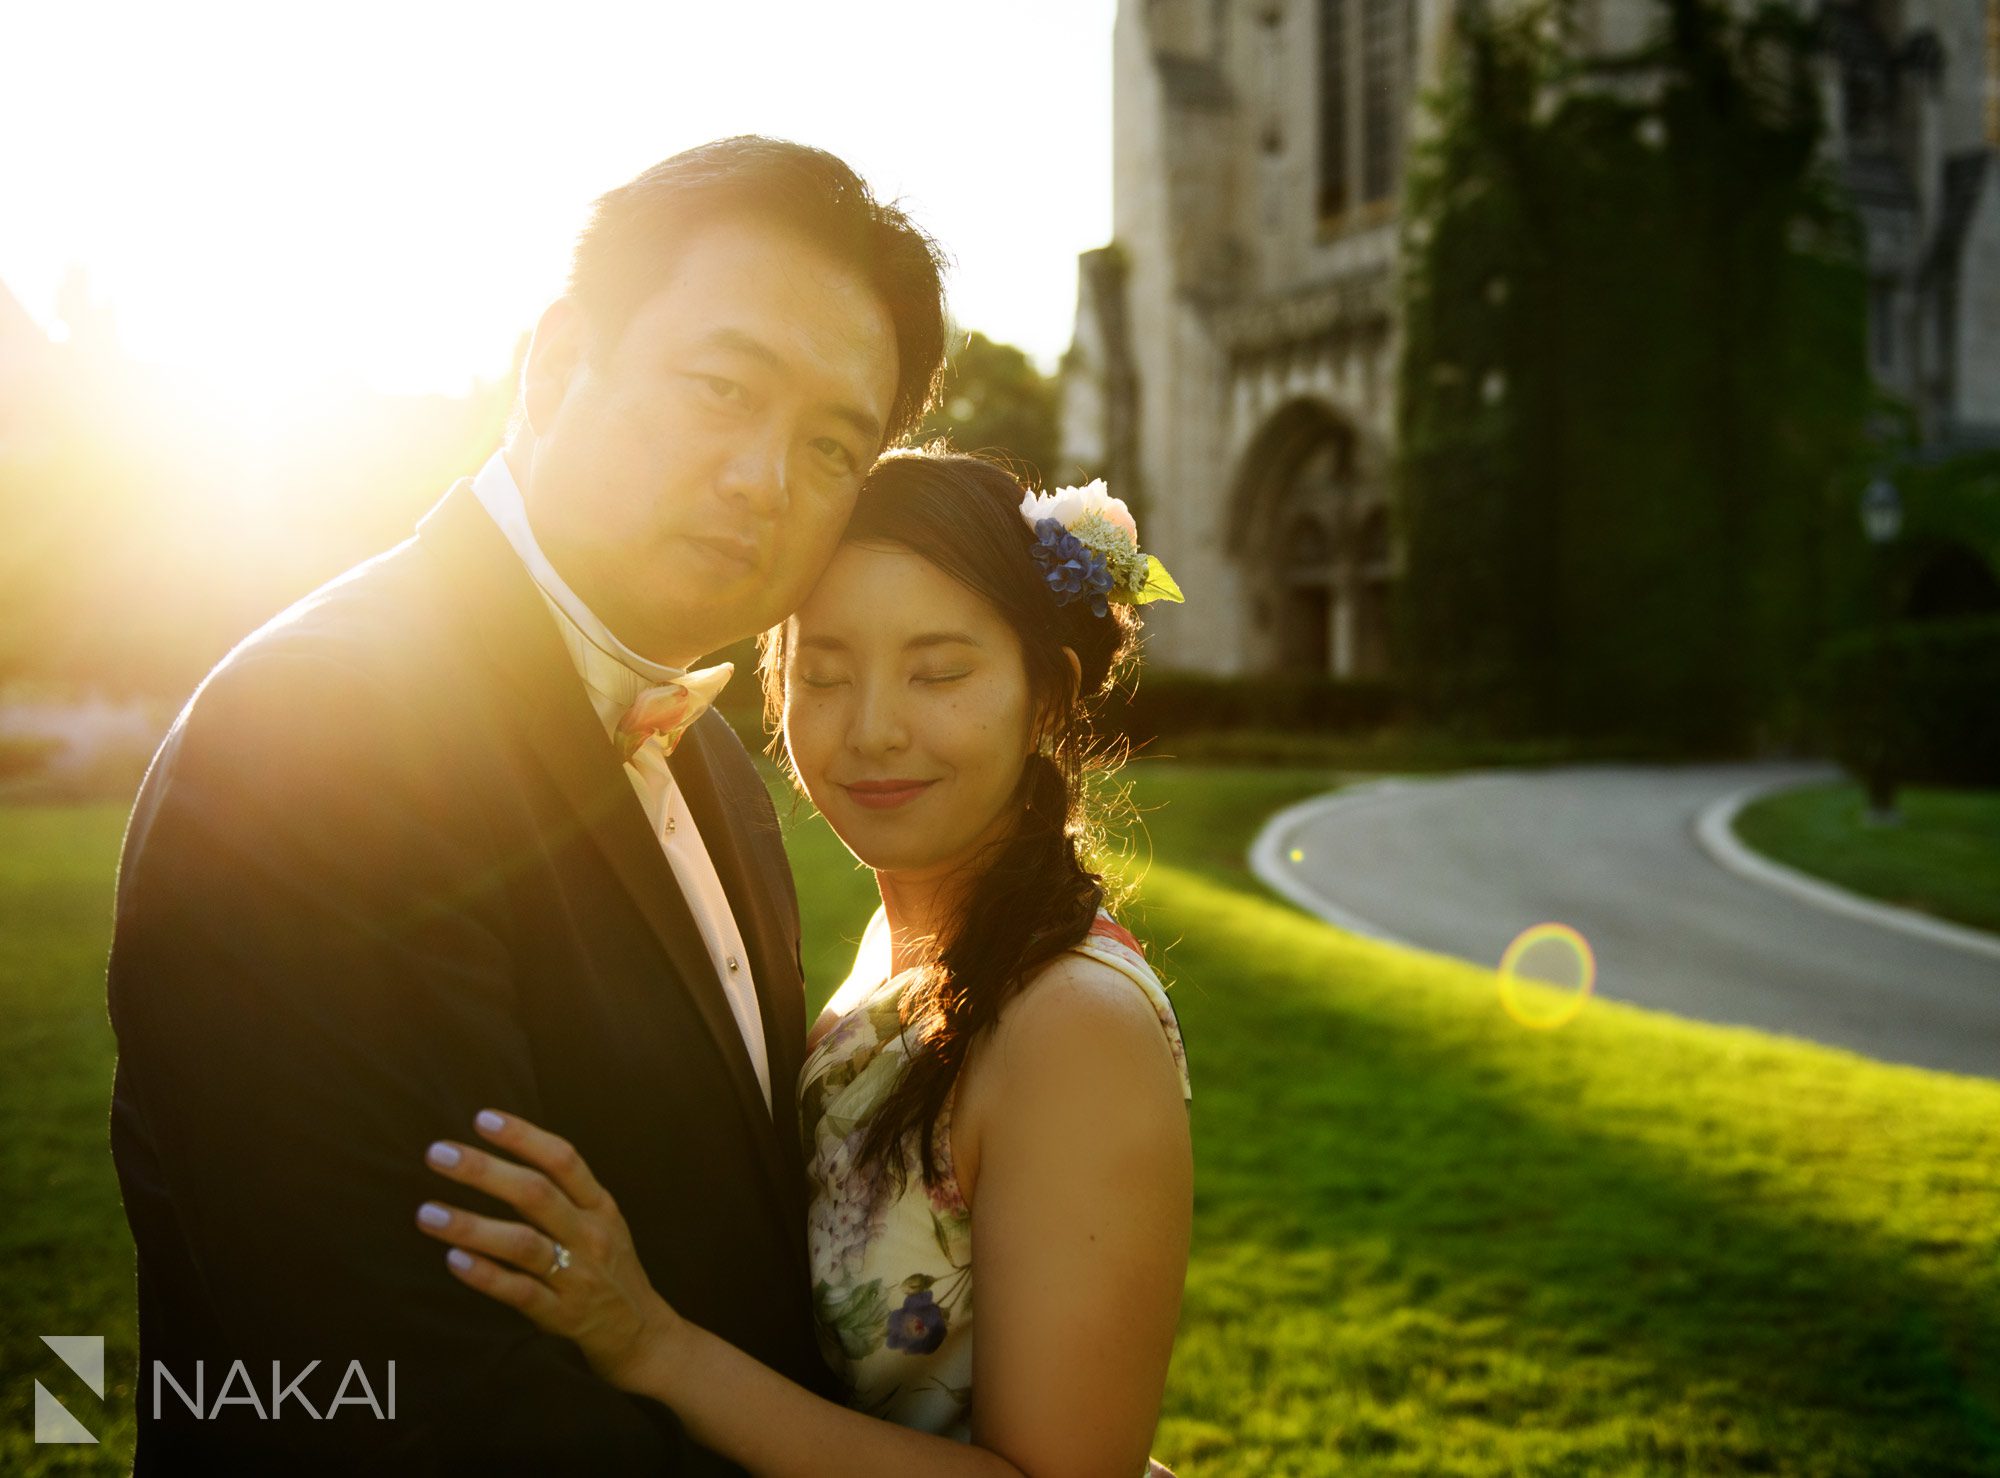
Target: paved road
(1462,864)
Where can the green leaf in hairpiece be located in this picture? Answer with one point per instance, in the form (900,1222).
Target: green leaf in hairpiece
(1158,585)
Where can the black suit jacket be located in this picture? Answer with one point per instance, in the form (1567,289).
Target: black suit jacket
(387,870)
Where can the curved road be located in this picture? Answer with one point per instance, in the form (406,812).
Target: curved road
(1462,864)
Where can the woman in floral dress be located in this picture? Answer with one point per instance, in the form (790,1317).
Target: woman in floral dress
(893,1276)
(1001,1060)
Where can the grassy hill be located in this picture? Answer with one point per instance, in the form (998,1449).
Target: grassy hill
(1427,1240)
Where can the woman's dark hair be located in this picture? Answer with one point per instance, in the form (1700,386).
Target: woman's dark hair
(628,246)
(1030,897)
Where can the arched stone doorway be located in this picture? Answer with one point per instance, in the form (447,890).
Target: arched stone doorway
(1309,525)
(1304,595)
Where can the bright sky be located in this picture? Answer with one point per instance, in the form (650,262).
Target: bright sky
(273,194)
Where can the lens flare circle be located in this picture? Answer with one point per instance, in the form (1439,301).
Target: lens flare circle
(1510,985)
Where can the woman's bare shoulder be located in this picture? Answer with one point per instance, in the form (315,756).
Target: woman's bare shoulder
(1078,1010)
(1080,1042)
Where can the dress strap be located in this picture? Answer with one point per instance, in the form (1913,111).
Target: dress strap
(1110,944)
(1105,926)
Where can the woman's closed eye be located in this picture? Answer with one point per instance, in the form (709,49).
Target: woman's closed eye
(929,679)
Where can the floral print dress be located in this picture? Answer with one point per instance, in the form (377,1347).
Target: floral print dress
(892,1276)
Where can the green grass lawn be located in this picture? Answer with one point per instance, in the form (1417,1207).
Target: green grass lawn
(1427,1240)
(66,1262)
(1944,859)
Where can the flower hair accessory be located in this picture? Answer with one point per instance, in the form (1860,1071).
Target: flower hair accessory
(1088,547)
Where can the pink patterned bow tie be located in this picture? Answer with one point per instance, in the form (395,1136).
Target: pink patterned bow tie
(668,711)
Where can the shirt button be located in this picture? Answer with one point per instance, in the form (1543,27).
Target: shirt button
(732,964)
(670,824)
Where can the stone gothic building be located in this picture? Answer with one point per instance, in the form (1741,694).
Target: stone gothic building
(1235,351)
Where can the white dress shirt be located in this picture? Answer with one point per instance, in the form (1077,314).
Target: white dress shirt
(613,676)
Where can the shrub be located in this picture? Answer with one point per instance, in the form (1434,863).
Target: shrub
(1921,698)
(1192,703)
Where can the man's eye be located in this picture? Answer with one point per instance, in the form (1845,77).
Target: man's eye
(821,682)
(720,388)
(835,453)
(940,677)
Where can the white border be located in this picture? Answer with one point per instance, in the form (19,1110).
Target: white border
(1270,856)
(1715,830)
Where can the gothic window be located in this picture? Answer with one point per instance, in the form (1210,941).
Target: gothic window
(1866,106)
(1993,73)
(1366,55)
(1334,187)
(1380,93)
(1882,325)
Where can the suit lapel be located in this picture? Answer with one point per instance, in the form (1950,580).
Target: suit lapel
(561,728)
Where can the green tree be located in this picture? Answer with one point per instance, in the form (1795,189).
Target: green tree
(995,400)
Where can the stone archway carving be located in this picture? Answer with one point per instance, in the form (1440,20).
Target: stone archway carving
(1309,527)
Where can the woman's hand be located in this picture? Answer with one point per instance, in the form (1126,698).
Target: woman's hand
(599,1296)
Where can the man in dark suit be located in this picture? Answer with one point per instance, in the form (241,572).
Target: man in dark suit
(392,866)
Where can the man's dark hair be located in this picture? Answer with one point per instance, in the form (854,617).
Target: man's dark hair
(625,250)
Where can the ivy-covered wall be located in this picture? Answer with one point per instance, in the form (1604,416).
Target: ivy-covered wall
(1634,382)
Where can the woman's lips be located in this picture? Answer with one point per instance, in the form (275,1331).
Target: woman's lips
(886,795)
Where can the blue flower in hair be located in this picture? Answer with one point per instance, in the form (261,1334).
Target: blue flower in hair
(1071,567)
